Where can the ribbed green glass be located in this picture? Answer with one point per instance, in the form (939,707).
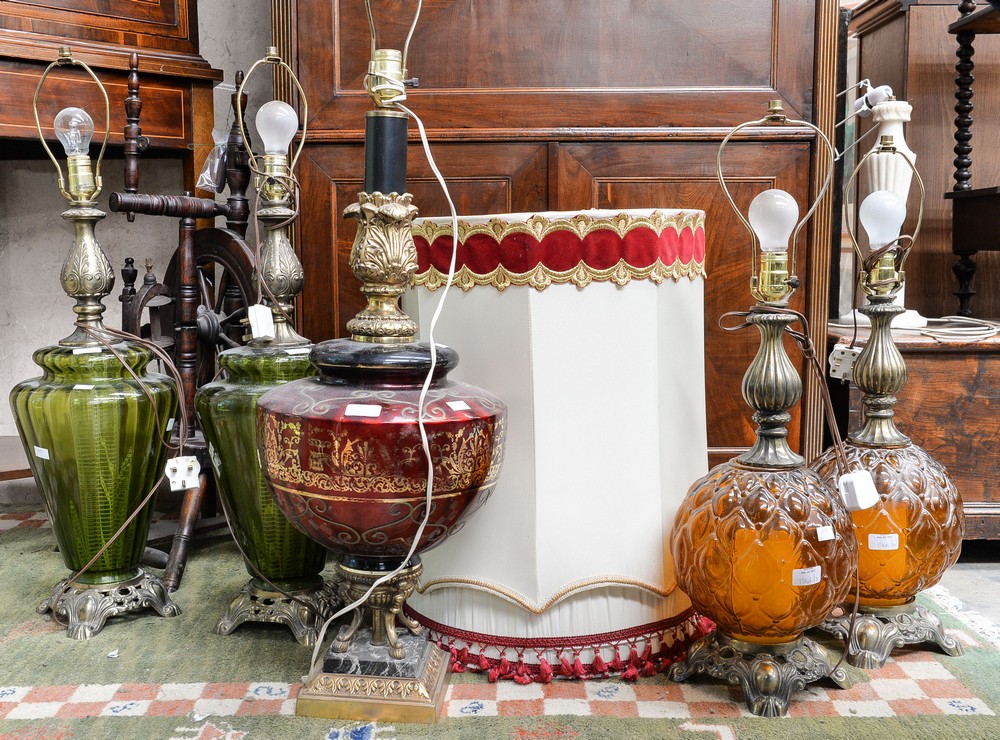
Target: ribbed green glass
(90,434)
(228,412)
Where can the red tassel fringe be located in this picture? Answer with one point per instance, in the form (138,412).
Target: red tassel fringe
(645,665)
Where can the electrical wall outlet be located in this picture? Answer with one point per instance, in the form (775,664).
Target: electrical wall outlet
(842,361)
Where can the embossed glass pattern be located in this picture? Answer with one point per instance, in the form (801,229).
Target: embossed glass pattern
(91,436)
(766,554)
(228,411)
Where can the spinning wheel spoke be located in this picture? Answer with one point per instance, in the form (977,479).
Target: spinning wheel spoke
(203,286)
(221,290)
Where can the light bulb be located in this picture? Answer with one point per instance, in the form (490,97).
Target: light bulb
(277,124)
(74,128)
(773,215)
(882,214)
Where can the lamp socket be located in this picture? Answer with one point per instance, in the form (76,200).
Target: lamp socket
(842,361)
(857,490)
(182,472)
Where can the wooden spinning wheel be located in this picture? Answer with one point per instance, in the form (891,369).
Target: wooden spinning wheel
(196,311)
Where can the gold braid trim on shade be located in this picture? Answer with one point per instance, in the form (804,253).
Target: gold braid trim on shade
(535,607)
(581,276)
(539,226)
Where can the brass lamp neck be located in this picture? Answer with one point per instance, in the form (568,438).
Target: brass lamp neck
(86,275)
(880,373)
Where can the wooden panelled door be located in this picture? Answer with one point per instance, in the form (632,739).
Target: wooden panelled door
(552,105)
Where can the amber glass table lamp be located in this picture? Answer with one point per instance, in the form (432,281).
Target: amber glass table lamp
(93,426)
(913,534)
(349,454)
(762,545)
(285,566)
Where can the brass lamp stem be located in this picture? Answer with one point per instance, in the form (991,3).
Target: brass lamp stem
(771,386)
(279,267)
(384,259)
(86,274)
(880,373)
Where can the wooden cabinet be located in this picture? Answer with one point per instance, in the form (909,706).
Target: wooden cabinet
(949,407)
(557,106)
(906,44)
(176,81)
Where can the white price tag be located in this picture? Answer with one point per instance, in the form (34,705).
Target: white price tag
(825,533)
(86,350)
(371,410)
(83,387)
(458,405)
(170,424)
(41,453)
(182,472)
(261,321)
(807,576)
(883,541)
(299,350)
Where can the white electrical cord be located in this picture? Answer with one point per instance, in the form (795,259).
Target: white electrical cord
(423,390)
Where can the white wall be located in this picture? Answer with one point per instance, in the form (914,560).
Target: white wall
(34,240)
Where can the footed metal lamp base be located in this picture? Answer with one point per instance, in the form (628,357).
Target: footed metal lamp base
(303,615)
(768,674)
(87,607)
(879,631)
(364,683)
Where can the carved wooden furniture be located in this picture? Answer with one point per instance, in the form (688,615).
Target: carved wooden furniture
(165,32)
(906,44)
(949,407)
(976,211)
(532,108)
(197,308)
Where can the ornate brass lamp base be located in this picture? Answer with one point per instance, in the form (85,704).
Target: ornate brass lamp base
(88,607)
(362,683)
(303,615)
(383,607)
(879,631)
(768,674)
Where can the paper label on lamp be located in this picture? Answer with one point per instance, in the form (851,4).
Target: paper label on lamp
(86,350)
(807,576)
(83,387)
(261,321)
(458,405)
(858,491)
(182,472)
(170,424)
(369,410)
(825,533)
(883,541)
(41,453)
(299,350)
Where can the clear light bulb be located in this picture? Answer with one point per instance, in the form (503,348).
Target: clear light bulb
(773,215)
(277,123)
(74,128)
(882,214)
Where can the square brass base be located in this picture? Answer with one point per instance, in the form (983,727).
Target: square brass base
(379,698)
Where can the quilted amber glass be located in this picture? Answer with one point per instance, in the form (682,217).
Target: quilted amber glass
(91,435)
(913,535)
(766,554)
(228,411)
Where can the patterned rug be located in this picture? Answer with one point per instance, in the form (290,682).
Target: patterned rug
(149,677)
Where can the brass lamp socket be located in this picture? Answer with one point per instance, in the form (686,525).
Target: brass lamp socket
(275,171)
(884,278)
(772,283)
(886,145)
(385,68)
(82,184)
